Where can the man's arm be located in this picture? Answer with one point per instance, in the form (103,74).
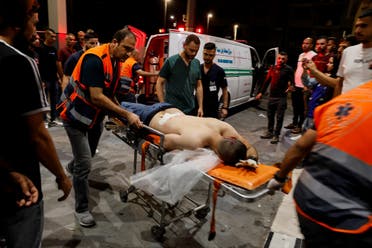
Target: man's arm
(159,87)
(320,76)
(199,97)
(46,152)
(293,157)
(102,101)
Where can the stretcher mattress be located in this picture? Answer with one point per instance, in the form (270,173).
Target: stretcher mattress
(243,177)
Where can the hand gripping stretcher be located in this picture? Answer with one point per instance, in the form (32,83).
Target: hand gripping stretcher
(240,182)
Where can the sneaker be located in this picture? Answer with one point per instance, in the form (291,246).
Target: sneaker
(275,140)
(290,126)
(52,124)
(85,219)
(296,130)
(267,135)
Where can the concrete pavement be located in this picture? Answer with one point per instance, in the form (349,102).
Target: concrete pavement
(238,223)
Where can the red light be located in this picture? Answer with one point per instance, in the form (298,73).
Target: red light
(199,30)
(161,30)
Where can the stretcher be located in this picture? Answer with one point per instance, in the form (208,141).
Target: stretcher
(239,182)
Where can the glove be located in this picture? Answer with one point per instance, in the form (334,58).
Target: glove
(274,185)
(249,163)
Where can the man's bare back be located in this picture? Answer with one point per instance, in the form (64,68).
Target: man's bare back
(190,132)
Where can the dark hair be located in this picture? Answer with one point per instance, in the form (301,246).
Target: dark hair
(90,35)
(122,33)
(210,46)
(16,13)
(231,150)
(365,13)
(351,39)
(283,53)
(192,38)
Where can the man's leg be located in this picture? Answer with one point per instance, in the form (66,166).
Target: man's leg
(94,135)
(280,111)
(25,227)
(80,170)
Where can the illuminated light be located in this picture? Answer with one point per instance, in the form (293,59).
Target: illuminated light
(181,28)
(199,30)
(161,30)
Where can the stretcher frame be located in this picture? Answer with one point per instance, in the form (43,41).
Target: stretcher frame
(154,154)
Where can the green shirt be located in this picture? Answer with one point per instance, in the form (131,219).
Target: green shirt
(181,82)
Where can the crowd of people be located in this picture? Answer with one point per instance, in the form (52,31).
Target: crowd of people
(79,83)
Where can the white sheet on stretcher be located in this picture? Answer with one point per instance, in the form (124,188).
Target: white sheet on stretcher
(182,170)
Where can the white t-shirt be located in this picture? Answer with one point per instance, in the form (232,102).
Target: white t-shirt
(354,66)
(299,70)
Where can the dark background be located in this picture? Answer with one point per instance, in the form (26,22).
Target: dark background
(263,23)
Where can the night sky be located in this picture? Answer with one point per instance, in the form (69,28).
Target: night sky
(264,23)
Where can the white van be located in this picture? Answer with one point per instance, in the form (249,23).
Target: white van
(241,62)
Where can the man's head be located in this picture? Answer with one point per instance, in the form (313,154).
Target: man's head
(122,44)
(18,20)
(282,58)
(307,44)
(191,46)
(70,40)
(332,45)
(50,37)
(209,52)
(90,40)
(81,36)
(321,45)
(363,28)
(231,150)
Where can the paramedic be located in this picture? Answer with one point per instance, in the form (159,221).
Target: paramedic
(181,76)
(333,193)
(213,79)
(191,132)
(87,98)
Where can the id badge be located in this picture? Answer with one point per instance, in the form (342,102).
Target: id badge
(212,88)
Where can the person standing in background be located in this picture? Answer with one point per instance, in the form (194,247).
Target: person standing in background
(280,79)
(213,79)
(181,76)
(48,64)
(297,96)
(25,142)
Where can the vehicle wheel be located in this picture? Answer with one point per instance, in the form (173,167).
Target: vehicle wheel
(158,232)
(202,213)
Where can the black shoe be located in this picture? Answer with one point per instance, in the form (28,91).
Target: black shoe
(267,135)
(296,130)
(290,126)
(275,140)
(52,124)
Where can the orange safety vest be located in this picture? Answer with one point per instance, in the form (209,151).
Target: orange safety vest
(334,189)
(128,83)
(75,106)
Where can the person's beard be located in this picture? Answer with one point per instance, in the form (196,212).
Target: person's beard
(21,43)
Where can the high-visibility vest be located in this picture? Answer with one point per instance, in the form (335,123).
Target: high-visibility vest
(75,106)
(128,82)
(335,187)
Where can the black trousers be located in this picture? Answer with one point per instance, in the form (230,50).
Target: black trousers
(276,108)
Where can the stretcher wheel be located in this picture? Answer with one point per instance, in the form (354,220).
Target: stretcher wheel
(123,195)
(202,213)
(158,232)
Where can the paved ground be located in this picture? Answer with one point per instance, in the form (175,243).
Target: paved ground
(238,223)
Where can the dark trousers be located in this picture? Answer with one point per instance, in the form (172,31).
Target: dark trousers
(317,236)
(276,108)
(298,107)
(51,90)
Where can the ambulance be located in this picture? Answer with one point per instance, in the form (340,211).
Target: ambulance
(241,62)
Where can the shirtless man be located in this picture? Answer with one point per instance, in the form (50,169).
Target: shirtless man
(191,132)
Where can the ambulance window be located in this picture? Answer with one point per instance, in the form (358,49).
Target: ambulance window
(255,59)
